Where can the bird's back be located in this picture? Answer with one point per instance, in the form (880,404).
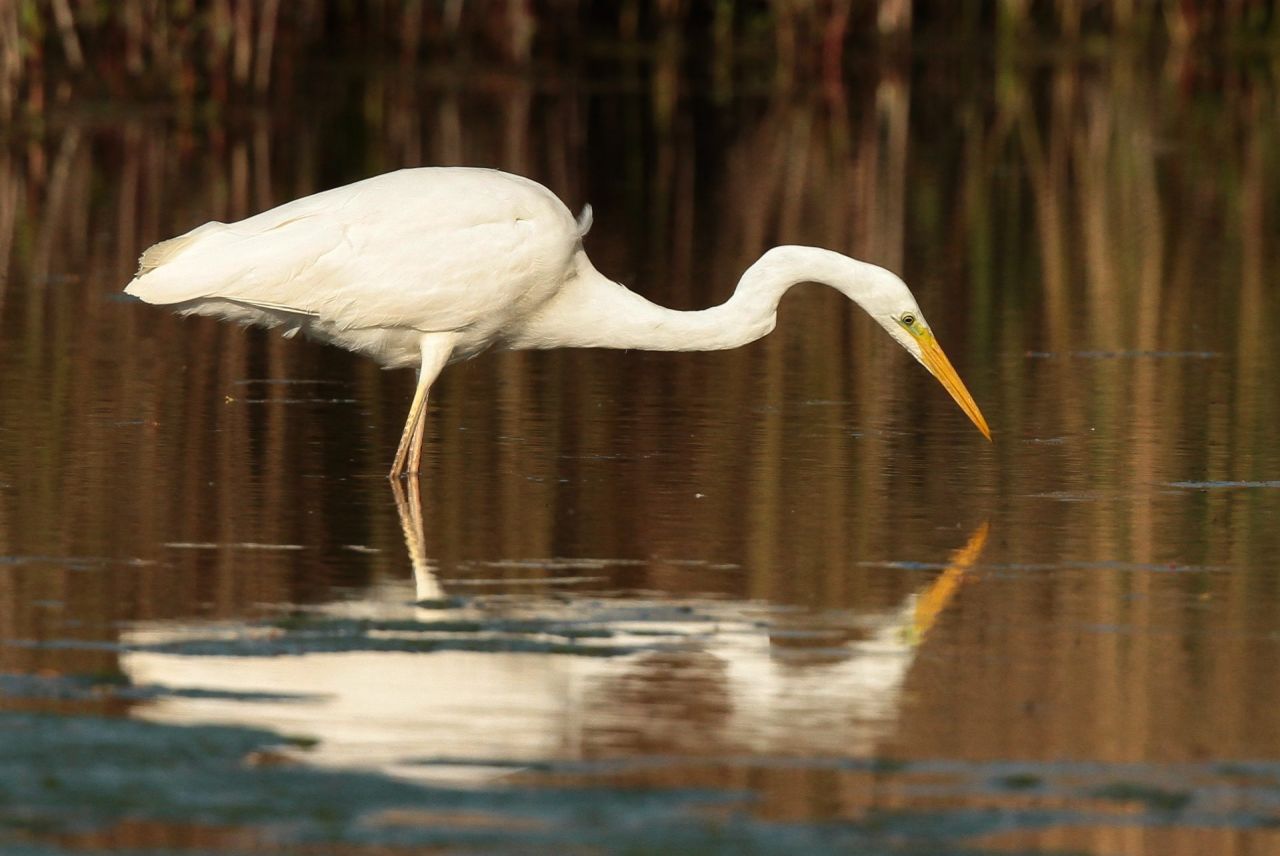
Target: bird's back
(419,250)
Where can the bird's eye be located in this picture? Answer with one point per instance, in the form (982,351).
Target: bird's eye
(908,319)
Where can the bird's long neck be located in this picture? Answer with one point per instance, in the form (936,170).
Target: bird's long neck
(592,311)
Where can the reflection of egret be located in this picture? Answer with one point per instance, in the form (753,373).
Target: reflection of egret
(380,709)
(426,586)
(424,267)
(773,699)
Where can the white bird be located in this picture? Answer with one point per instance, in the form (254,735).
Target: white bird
(424,267)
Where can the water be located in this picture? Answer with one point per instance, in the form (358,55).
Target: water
(782,598)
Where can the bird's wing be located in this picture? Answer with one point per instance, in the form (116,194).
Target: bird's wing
(430,259)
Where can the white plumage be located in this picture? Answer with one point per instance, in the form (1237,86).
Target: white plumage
(422,267)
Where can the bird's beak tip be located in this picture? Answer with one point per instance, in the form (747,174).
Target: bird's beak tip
(940,367)
(981,422)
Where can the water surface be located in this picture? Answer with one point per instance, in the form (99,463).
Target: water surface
(782,597)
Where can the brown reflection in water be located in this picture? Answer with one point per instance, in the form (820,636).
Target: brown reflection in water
(1074,210)
(157,835)
(1180,841)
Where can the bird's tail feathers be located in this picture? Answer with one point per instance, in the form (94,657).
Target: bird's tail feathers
(158,254)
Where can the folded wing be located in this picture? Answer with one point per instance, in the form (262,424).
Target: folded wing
(409,249)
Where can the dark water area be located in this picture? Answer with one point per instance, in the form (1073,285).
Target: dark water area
(783,598)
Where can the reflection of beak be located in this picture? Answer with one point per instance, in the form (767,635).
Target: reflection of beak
(937,363)
(936,597)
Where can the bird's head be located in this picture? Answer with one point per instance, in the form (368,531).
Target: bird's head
(879,292)
(894,308)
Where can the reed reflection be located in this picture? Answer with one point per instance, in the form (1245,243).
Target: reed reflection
(1097,234)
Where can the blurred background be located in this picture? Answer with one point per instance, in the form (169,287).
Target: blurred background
(1083,195)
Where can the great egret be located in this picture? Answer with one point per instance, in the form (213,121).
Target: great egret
(423,267)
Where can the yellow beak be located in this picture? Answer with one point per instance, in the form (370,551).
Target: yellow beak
(938,364)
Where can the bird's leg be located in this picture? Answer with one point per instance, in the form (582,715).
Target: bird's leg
(411,437)
(436,349)
(415,446)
